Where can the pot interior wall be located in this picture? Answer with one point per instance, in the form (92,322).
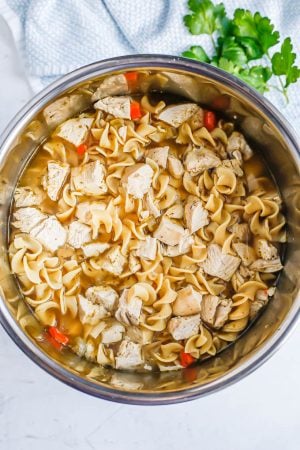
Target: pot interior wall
(275,149)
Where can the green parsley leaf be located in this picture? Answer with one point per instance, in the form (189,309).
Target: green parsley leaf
(196,52)
(257,77)
(231,50)
(255,26)
(238,41)
(226,65)
(251,47)
(282,63)
(206,18)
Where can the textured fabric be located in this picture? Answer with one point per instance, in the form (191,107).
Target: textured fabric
(57,36)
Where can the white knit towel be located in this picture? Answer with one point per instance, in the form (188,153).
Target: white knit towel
(57,36)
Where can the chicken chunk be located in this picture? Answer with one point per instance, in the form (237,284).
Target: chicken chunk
(176,115)
(150,204)
(184,246)
(50,233)
(184,327)
(196,216)
(27,218)
(129,310)
(84,211)
(134,263)
(175,211)
(89,313)
(175,167)
(159,155)
(112,334)
(267,266)
(241,231)
(139,335)
(129,355)
(55,178)
(94,249)
(102,295)
(236,141)
(114,261)
(265,250)
(169,232)
(79,234)
(262,294)
(137,179)
(147,249)
(63,108)
(261,299)
(187,302)
(114,85)
(215,311)
(218,264)
(245,252)
(116,106)
(245,272)
(271,291)
(255,307)
(75,131)
(24,196)
(200,159)
(234,165)
(237,155)
(223,311)
(90,351)
(89,179)
(79,346)
(84,348)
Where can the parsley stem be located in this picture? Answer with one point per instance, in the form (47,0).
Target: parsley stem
(273,86)
(213,43)
(284,91)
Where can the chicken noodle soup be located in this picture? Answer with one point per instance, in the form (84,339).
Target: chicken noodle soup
(145,236)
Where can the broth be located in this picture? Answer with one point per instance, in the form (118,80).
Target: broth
(205,240)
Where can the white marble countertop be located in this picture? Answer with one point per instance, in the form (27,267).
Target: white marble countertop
(38,412)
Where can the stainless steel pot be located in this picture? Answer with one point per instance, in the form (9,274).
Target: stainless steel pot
(273,136)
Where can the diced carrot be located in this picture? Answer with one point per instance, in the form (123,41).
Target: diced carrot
(210,120)
(52,341)
(135,110)
(58,335)
(190,374)
(186,359)
(131,77)
(81,149)
(221,102)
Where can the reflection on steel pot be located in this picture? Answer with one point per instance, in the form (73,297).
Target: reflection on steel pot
(258,120)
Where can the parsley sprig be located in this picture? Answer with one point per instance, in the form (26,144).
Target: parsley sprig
(240,41)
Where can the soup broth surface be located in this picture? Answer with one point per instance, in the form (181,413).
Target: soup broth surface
(145,235)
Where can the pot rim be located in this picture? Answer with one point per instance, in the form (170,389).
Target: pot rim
(118,64)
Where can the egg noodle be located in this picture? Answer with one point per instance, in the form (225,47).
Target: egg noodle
(145,242)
